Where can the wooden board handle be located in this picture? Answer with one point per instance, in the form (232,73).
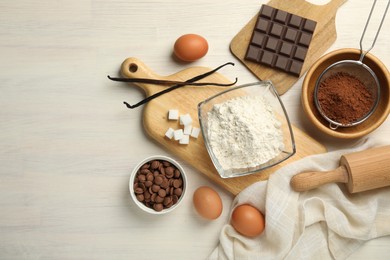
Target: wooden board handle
(135,68)
(311,180)
(301,7)
(335,4)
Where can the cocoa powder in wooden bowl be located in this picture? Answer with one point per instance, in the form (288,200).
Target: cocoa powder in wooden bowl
(370,124)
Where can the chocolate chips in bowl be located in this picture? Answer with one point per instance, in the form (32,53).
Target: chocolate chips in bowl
(157,184)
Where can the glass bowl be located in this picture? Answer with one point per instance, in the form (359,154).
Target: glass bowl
(251,135)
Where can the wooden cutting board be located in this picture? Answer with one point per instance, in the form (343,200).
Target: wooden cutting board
(324,36)
(186,99)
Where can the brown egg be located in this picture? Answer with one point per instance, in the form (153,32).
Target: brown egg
(207,202)
(248,220)
(190,47)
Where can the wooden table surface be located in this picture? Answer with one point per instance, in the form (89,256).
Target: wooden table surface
(68,144)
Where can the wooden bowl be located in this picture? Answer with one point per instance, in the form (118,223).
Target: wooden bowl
(374,121)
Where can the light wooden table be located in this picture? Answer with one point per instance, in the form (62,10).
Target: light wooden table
(68,144)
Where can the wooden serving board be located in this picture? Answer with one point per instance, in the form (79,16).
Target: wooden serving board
(186,100)
(323,37)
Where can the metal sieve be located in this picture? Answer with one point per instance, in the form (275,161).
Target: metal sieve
(358,70)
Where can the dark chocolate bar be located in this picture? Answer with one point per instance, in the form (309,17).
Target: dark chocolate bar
(280,40)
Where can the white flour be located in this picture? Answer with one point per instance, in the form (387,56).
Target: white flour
(244,132)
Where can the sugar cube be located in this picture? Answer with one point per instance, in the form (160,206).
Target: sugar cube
(178,134)
(195,132)
(185,139)
(185,119)
(187,129)
(173,114)
(169,133)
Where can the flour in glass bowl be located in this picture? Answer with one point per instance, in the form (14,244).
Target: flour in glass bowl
(243,132)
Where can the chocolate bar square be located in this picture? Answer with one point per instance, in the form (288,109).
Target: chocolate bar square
(304,39)
(276,30)
(254,53)
(295,21)
(300,53)
(286,49)
(282,63)
(267,58)
(280,40)
(258,39)
(291,35)
(281,17)
(263,25)
(272,44)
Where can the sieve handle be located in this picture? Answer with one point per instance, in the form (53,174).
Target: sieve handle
(333,126)
(363,53)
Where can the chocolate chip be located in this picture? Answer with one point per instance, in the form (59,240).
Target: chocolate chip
(167,200)
(150,177)
(144,171)
(142,186)
(177,173)
(177,183)
(148,184)
(178,191)
(153,197)
(155,164)
(166,163)
(138,191)
(158,180)
(159,199)
(162,193)
(165,184)
(145,166)
(158,207)
(169,172)
(142,178)
(147,195)
(140,197)
(155,188)
(162,170)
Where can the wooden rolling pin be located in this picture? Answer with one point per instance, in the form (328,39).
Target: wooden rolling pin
(360,171)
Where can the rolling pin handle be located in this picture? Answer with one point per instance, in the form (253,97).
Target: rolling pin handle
(310,180)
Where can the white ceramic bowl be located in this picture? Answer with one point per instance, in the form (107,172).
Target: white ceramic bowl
(134,173)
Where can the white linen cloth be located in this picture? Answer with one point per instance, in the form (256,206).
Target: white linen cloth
(324,223)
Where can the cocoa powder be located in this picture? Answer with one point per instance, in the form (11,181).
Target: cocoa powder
(344,99)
